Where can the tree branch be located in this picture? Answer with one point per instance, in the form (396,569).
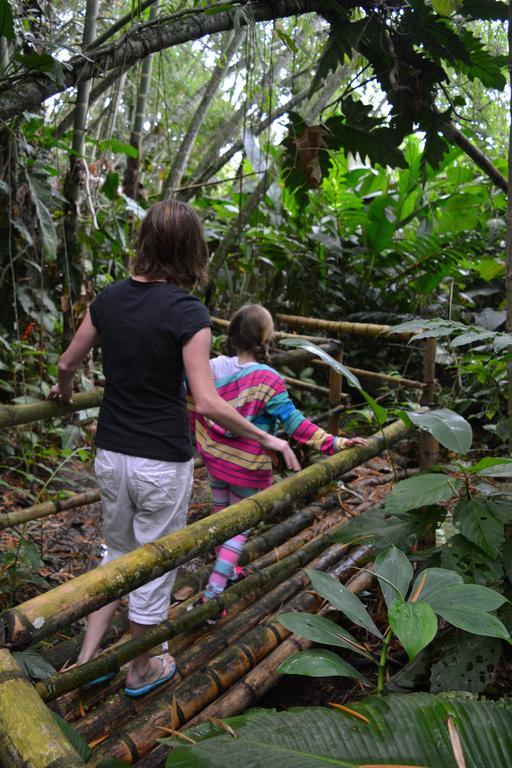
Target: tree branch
(478,157)
(29,92)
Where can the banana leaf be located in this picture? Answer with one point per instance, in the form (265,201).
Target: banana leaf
(397,730)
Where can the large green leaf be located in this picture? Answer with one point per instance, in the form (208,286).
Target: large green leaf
(470,597)
(466,663)
(76,739)
(461,555)
(394,567)
(419,491)
(385,529)
(414,624)
(474,621)
(396,730)
(319,663)
(430,582)
(325,356)
(343,599)
(320,630)
(476,520)
(6,20)
(450,429)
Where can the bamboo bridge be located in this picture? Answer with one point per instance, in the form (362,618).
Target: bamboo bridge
(221,670)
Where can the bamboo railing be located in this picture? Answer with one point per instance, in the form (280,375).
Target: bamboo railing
(13,415)
(337,327)
(46,614)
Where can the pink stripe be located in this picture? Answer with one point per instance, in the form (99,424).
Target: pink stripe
(257,478)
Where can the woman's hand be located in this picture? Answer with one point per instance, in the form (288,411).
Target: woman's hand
(272,443)
(351,442)
(61,393)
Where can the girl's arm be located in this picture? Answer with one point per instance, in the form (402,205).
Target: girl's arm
(83,341)
(209,403)
(301,429)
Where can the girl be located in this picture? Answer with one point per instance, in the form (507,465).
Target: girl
(237,467)
(152,331)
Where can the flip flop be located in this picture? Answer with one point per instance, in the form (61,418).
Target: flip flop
(99,680)
(141,690)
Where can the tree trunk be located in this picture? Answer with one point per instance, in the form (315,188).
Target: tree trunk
(73,185)
(131,176)
(180,162)
(46,614)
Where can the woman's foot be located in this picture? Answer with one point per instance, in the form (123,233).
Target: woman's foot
(160,670)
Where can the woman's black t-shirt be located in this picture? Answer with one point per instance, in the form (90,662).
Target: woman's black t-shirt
(142,329)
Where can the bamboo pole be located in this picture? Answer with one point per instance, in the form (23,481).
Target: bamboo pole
(398,381)
(221,323)
(115,713)
(335,327)
(113,659)
(306,385)
(296,358)
(36,511)
(202,687)
(335,382)
(262,678)
(429,447)
(46,614)
(13,415)
(29,735)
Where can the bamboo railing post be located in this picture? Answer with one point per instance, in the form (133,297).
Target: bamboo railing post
(335,382)
(46,614)
(429,447)
(30,737)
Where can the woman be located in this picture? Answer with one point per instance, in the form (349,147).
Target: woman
(152,333)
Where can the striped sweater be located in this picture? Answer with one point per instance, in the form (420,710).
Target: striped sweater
(259,394)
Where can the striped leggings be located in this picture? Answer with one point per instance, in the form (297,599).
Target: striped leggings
(228,554)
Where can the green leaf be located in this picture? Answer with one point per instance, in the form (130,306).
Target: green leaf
(394,566)
(380,413)
(485,9)
(450,429)
(414,624)
(493,468)
(6,21)
(41,197)
(321,630)
(445,7)
(468,597)
(111,185)
(466,663)
(343,599)
(419,491)
(76,739)
(118,147)
(476,521)
(470,561)
(474,621)
(319,663)
(319,352)
(397,730)
(36,667)
(431,581)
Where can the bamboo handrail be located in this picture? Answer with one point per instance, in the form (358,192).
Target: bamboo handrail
(306,385)
(279,334)
(18,516)
(337,327)
(377,376)
(13,415)
(46,614)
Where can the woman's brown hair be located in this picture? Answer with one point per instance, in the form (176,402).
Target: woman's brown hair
(171,245)
(250,330)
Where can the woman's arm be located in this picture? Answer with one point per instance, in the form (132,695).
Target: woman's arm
(83,341)
(209,403)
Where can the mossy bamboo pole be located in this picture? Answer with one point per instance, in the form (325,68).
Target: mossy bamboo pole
(335,327)
(115,713)
(29,734)
(113,659)
(247,692)
(19,516)
(66,651)
(13,415)
(218,321)
(203,686)
(46,614)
